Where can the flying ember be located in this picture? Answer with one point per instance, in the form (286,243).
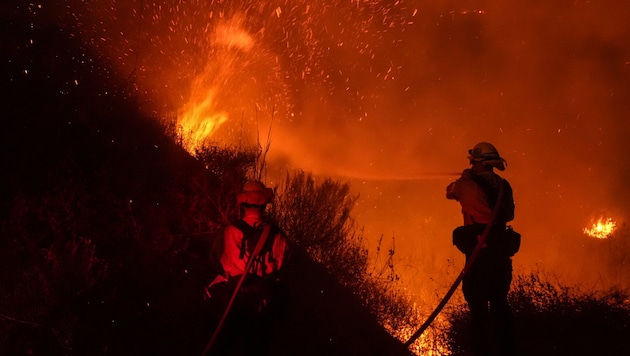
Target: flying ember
(601,229)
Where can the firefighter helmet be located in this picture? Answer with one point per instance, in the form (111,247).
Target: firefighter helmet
(255,193)
(487,154)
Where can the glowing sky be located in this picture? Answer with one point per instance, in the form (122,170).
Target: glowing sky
(391,94)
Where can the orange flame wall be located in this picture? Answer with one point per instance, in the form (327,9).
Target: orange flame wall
(390,95)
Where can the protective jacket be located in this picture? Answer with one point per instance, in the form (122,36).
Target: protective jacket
(477,195)
(236,253)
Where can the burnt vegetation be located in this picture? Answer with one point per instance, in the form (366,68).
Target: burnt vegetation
(107,229)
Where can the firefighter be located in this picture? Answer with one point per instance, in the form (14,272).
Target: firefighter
(248,325)
(487,283)
(252,202)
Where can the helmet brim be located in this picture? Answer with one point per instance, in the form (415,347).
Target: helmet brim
(496,163)
(256,197)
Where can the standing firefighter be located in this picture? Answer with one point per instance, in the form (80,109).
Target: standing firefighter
(253,253)
(486,198)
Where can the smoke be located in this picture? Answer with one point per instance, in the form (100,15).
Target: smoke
(391,95)
(546,83)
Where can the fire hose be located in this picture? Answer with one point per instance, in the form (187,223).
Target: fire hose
(481,243)
(250,262)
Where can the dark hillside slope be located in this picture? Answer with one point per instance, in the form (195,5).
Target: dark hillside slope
(322,318)
(106,224)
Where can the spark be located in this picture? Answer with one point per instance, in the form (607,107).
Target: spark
(253,55)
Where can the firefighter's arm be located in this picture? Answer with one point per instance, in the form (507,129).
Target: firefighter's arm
(453,189)
(450,191)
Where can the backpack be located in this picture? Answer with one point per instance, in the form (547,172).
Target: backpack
(251,235)
(256,292)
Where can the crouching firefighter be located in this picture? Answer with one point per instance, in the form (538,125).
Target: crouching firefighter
(253,254)
(486,284)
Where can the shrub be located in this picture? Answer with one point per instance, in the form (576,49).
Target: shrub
(551,318)
(316,214)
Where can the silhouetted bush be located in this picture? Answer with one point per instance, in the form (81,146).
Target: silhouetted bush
(553,319)
(316,214)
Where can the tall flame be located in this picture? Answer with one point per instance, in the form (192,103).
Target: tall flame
(601,229)
(216,91)
(199,120)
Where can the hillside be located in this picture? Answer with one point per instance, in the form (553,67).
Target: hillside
(107,225)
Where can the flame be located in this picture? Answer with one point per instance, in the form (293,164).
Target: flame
(601,229)
(240,77)
(428,344)
(199,121)
(201,116)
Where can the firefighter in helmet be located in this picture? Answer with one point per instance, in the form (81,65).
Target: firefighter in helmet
(252,241)
(486,198)
(252,201)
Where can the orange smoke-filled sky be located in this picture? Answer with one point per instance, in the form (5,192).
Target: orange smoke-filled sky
(391,95)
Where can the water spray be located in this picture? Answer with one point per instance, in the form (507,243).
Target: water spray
(386,177)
